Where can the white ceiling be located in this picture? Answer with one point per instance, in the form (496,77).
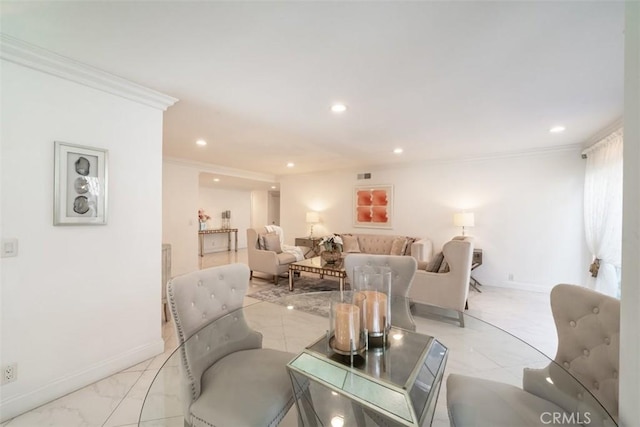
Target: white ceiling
(439,79)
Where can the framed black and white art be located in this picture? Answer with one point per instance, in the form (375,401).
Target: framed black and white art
(80,185)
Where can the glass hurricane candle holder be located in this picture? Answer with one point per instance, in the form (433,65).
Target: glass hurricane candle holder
(372,286)
(345,335)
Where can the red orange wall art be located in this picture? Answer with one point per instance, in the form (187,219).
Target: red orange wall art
(373,206)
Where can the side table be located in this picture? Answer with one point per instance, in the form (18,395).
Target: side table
(313,243)
(476,262)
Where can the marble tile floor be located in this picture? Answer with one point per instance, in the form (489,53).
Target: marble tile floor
(116,401)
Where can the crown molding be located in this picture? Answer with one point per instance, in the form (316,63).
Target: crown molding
(222,170)
(37,58)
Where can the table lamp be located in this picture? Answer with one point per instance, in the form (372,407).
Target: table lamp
(463,219)
(312,218)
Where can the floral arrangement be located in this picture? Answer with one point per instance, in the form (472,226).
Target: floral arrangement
(332,243)
(202,217)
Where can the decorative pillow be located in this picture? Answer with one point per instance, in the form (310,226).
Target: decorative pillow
(272,243)
(261,244)
(434,264)
(350,243)
(407,247)
(398,246)
(444,267)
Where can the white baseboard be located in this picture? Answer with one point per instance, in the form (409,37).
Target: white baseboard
(521,286)
(19,404)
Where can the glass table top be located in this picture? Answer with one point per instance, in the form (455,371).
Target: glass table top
(478,350)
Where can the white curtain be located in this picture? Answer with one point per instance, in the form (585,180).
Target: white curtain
(603,212)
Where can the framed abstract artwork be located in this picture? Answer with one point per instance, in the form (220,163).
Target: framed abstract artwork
(80,185)
(373,206)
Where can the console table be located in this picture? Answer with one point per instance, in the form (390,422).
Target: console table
(226,231)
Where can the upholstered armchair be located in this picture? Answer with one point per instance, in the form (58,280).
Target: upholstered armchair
(227,378)
(581,382)
(270,260)
(403,269)
(450,287)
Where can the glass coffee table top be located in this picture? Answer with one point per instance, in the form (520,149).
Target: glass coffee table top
(478,350)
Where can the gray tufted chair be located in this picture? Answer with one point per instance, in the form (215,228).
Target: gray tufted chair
(403,270)
(588,327)
(227,378)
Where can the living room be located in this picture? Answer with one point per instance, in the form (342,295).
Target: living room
(100,284)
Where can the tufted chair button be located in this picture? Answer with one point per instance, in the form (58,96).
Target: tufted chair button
(565,364)
(235,318)
(615,374)
(212,296)
(204,315)
(197,337)
(226,337)
(193,303)
(572,324)
(579,396)
(199,282)
(233,289)
(224,306)
(596,310)
(220,276)
(208,348)
(596,385)
(607,340)
(585,352)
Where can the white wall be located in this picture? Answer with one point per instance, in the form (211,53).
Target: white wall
(78,302)
(528,211)
(259,206)
(214,201)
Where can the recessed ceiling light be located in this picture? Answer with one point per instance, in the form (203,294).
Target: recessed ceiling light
(397,151)
(201,142)
(290,165)
(216,179)
(338,108)
(557,129)
(273,187)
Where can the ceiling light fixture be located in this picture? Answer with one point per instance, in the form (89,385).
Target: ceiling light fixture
(557,129)
(201,142)
(398,150)
(273,187)
(216,179)
(338,108)
(290,164)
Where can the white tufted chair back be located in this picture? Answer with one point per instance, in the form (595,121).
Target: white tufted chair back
(588,327)
(403,270)
(199,299)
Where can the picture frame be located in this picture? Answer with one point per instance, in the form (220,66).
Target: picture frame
(373,206)
(80,185)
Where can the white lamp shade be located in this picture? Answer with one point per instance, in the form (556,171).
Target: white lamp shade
(464,219)
(313,217)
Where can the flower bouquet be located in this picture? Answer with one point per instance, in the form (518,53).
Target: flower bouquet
(332,246)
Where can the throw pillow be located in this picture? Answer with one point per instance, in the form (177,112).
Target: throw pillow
(444,267)
(434,264)
(261,244)
(272,243)
(350,243)
(398,246)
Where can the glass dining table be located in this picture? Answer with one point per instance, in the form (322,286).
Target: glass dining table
(404,385)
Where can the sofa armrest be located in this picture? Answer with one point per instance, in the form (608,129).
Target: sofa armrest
(438,289)
(422,250)
(264,261)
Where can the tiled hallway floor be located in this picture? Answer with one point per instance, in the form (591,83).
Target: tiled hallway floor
(117,400)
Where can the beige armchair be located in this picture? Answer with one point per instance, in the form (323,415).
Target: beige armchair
(272,262)
(447,289)
(580,384)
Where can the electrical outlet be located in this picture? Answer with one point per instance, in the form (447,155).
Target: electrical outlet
(9,373)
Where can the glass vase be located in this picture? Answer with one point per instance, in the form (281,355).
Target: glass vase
(372,287)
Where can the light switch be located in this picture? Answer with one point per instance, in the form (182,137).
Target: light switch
(9,248)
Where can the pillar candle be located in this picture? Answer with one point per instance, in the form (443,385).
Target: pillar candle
(347,326)
(375,311)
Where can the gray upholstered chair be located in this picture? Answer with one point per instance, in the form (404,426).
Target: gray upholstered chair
(403,269)
(588,326)
(448,289)
(227,378)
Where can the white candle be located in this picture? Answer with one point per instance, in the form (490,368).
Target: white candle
(347,326)
(375,311)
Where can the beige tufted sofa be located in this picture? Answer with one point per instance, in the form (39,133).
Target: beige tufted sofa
(588,326)
(381,244)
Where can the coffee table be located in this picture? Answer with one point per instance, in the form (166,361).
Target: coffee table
(318,266)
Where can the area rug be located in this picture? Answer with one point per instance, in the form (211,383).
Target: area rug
(309,295)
